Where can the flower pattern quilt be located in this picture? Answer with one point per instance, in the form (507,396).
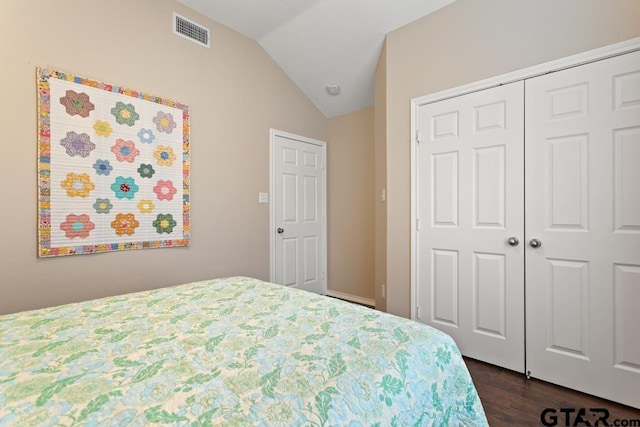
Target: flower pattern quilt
(232,351)
(113,167)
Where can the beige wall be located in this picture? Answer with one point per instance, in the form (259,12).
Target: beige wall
(380,129)
(235,92)
(350,207)
(468,41)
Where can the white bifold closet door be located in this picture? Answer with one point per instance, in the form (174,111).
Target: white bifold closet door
(580,241)
(583,205)
(471,202)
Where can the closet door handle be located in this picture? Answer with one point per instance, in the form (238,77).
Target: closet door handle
(280,230)
(535,243)
(513,241)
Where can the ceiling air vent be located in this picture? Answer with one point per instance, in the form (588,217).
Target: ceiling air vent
(190,30)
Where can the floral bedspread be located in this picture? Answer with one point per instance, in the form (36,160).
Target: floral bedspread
(233,351)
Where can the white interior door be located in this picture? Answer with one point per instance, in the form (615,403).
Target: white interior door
(583,205)
(298,223)
(470,280)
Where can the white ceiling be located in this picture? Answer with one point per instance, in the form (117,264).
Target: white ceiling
(320,42)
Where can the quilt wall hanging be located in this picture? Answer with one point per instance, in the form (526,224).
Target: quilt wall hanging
(113,168)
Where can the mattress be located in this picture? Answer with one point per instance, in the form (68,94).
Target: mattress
(232,351)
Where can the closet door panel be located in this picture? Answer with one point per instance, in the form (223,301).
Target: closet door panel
(470,196)
(582,153)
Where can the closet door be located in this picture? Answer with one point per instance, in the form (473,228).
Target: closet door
(470,279)
(583,210)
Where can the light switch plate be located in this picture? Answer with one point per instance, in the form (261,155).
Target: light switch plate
(263,197)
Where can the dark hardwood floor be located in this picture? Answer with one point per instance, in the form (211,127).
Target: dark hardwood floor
(509,399)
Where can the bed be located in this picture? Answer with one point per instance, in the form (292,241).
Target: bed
(232,351)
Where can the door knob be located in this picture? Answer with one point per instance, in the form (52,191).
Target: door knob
(513,241)
(280,230)
(535,243)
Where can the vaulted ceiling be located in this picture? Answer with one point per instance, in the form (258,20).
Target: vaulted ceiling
(321,42)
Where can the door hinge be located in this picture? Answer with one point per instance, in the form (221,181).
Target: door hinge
(417,312)
(418,136)
(417,224)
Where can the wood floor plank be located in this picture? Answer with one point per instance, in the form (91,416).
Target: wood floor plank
(509,398)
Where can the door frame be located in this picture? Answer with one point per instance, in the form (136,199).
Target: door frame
(616,49)
(273,133)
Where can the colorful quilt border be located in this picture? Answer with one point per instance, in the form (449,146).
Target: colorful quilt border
(44,74)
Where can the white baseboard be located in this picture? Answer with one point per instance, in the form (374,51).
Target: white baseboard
(352,298)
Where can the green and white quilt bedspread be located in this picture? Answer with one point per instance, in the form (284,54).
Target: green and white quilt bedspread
(233,351)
